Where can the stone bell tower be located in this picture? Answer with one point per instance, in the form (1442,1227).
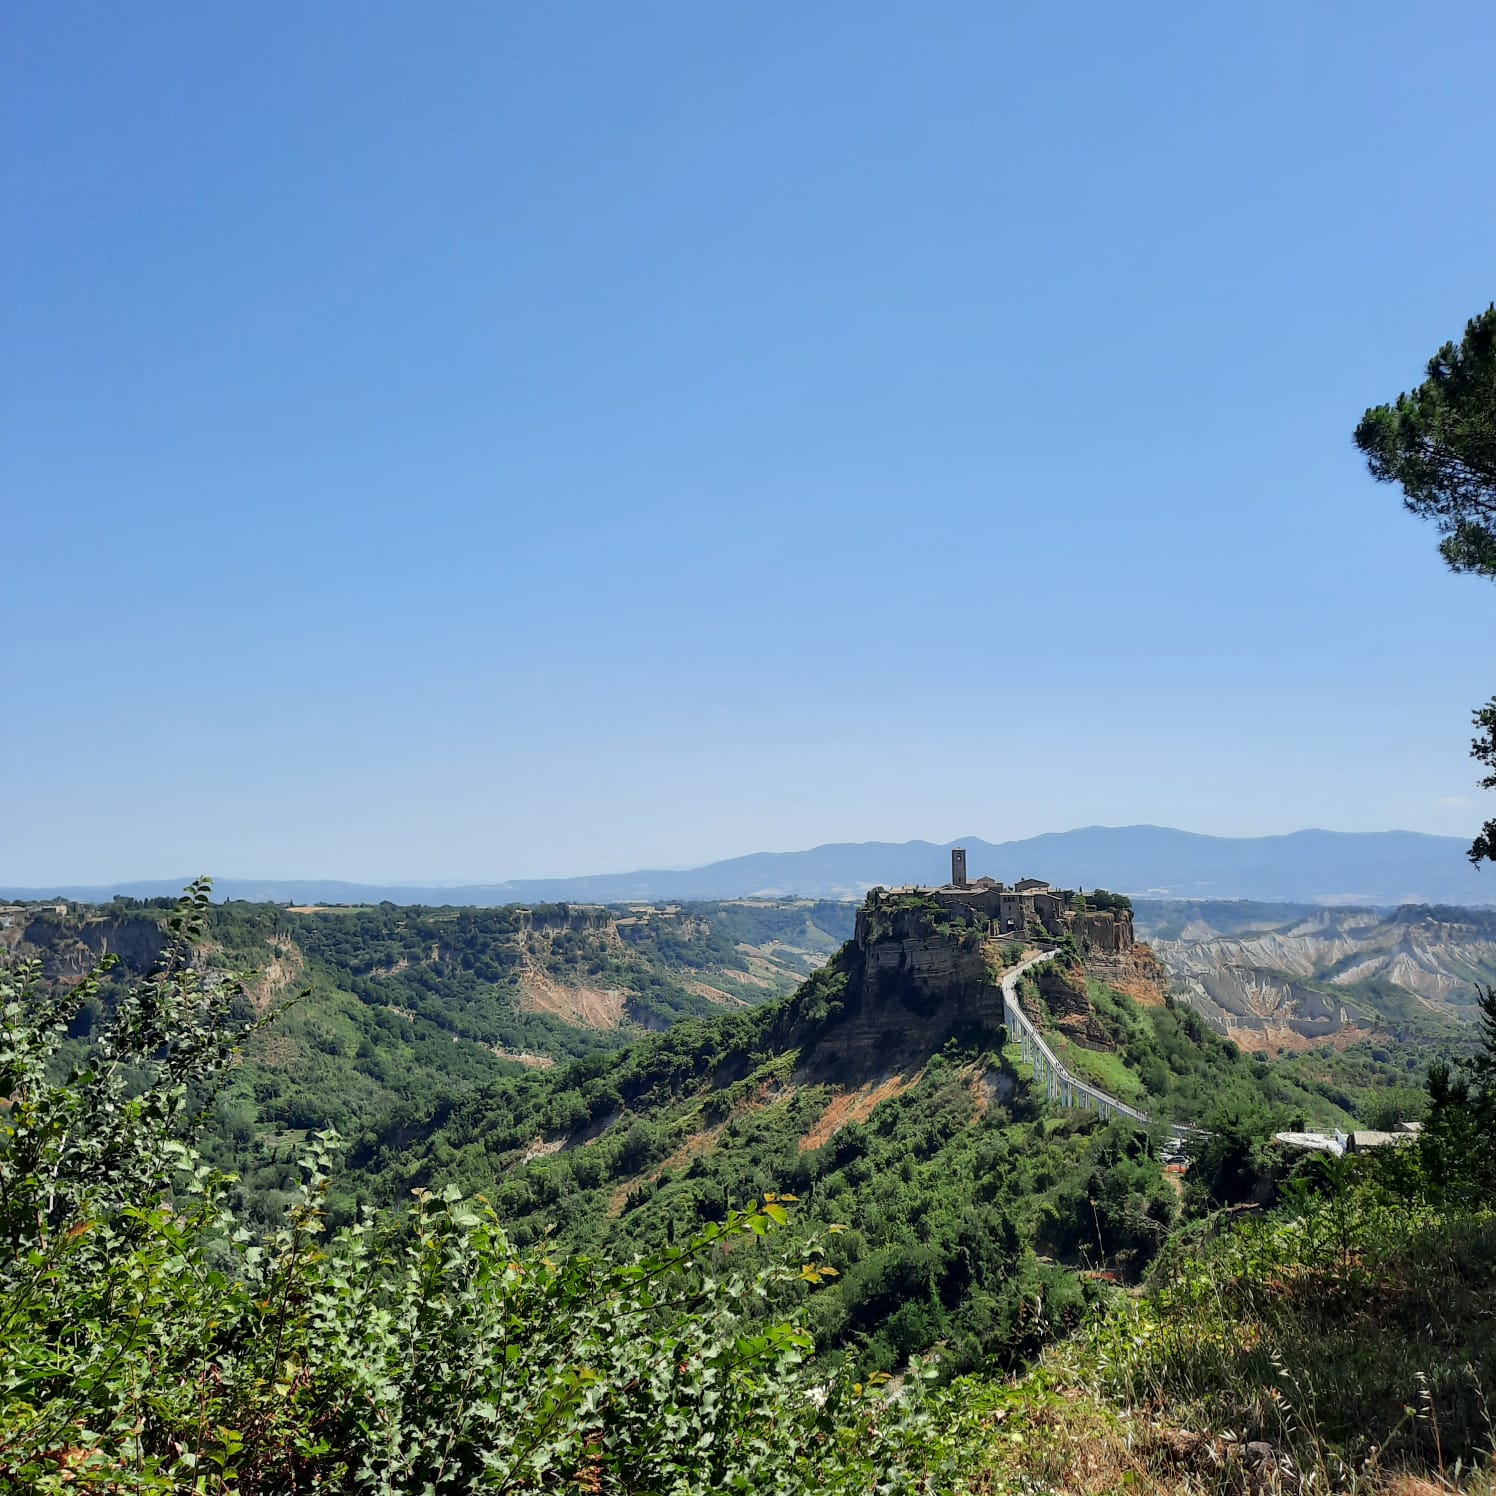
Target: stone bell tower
(958,867)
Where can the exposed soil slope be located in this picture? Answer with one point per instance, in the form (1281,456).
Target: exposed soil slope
(1273,977)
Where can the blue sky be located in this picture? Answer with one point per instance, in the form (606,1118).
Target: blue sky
(501,440)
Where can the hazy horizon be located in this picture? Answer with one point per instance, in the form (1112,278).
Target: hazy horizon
(181,876)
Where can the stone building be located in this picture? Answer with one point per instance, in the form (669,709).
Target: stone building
(1100,921)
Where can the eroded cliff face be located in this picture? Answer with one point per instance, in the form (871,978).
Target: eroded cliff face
(1137,971)
(916,978)
(1062,990)
(913,980)
(922,965)
(70,945)
(1261,1010)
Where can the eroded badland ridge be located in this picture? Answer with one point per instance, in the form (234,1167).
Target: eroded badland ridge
(1285,977)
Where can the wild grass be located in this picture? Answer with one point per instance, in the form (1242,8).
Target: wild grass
(1102,1068)
(1345,1343)
(1354,1335)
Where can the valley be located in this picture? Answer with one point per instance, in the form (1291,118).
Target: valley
(617,1075)
(380,1010)
(883,1097)
(388,1015)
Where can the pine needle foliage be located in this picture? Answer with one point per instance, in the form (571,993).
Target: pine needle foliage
(1438,444)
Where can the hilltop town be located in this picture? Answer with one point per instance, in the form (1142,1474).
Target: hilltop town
(1099,921)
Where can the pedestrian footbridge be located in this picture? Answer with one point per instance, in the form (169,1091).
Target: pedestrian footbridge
(1060,1086)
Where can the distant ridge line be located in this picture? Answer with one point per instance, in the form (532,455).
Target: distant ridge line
(1377,868)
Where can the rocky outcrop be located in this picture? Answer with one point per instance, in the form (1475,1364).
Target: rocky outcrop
(1105,931)
(917,975)
(1062,992)
(70,945)
(914,979)
(923,966)
(1137,971)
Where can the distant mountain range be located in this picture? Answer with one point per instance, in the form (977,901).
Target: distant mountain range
(1383,868)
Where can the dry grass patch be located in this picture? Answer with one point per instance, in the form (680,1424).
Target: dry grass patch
(1039,1433)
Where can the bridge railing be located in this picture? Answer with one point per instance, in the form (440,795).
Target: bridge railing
(1059,1084)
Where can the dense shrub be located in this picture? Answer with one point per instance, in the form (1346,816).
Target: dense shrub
(150,1341)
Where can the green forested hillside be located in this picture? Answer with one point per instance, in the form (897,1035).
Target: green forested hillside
(690,1261)
(386,1011)
(972,1212)
(422,1041)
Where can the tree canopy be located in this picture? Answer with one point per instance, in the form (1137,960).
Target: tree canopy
(1438,443)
